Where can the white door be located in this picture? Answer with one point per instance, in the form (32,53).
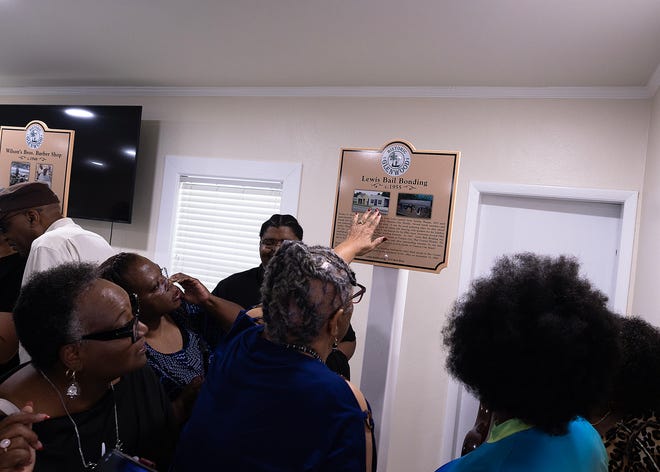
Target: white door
(589,231)
(595,226)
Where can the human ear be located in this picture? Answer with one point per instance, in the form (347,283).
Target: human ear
(334,323)
(33,216)
(70,357)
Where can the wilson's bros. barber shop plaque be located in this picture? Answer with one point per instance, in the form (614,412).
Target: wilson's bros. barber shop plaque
(36,153)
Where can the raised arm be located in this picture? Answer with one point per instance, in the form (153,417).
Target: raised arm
(360,238)
(195,292)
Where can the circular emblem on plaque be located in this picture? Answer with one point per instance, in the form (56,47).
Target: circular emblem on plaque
(34,136)
(395,159)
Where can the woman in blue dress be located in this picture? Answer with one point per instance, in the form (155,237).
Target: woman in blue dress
(269,402)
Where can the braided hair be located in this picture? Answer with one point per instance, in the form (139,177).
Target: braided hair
(115,267)
(303,286)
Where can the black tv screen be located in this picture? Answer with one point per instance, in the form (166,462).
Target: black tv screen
(104,160)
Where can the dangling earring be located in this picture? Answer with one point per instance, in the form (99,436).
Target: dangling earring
(73,390)
(335,344)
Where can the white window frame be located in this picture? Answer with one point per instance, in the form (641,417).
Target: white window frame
(289,173)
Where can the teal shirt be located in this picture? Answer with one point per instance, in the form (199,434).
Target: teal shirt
(516,447)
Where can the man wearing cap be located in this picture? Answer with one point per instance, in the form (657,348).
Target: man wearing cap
(32,223)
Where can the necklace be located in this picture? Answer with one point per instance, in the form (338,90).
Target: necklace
(305,350)
(118,445)
(602,419)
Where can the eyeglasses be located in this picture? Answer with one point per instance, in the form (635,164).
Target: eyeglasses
(271,243)
(129,330)
(357,296)
(163,283)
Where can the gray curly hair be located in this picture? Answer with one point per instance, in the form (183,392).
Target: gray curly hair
(303,286)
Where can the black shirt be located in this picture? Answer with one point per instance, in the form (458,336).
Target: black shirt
(146,427)
(11,276)
(243,288)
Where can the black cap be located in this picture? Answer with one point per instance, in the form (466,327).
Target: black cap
(24,196)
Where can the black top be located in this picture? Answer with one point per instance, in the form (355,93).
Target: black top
(146,427)
(244,288)
(11,275)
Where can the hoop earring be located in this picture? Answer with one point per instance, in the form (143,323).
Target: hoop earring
(73,390)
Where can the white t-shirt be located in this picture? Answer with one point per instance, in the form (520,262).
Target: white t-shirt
(65,241)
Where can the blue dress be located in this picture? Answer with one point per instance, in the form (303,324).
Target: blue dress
(532,450)
(264,407)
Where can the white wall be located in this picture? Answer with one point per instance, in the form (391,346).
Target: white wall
(646,294)
(580,143)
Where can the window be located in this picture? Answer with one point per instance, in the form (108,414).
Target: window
(209,222)
(216,230)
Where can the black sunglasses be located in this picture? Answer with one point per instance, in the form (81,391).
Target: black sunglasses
(129,330)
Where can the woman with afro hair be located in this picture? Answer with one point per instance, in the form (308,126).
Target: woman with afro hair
(628,421)
(536,344)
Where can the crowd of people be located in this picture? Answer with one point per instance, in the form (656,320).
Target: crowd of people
(254,375)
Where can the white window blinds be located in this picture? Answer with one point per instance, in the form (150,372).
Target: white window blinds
(217,224)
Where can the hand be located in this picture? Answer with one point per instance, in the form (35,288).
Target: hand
(479,432)
(347,348)
(257,314)
(19,455)
(193,290)
(360,238)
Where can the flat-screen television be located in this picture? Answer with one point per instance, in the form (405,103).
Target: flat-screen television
(104,160)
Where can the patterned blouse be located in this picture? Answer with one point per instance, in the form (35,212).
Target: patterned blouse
(178,369)
(633,444)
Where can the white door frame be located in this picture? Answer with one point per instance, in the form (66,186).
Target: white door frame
(451,445)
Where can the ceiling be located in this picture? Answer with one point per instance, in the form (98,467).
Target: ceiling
(329,43)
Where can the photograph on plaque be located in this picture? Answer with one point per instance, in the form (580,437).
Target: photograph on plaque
(414,192)
(44,173)
(19,172)
(413,205)
(365,199)
(36,153)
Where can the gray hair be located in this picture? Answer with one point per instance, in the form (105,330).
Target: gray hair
(294,311)
(46,314)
